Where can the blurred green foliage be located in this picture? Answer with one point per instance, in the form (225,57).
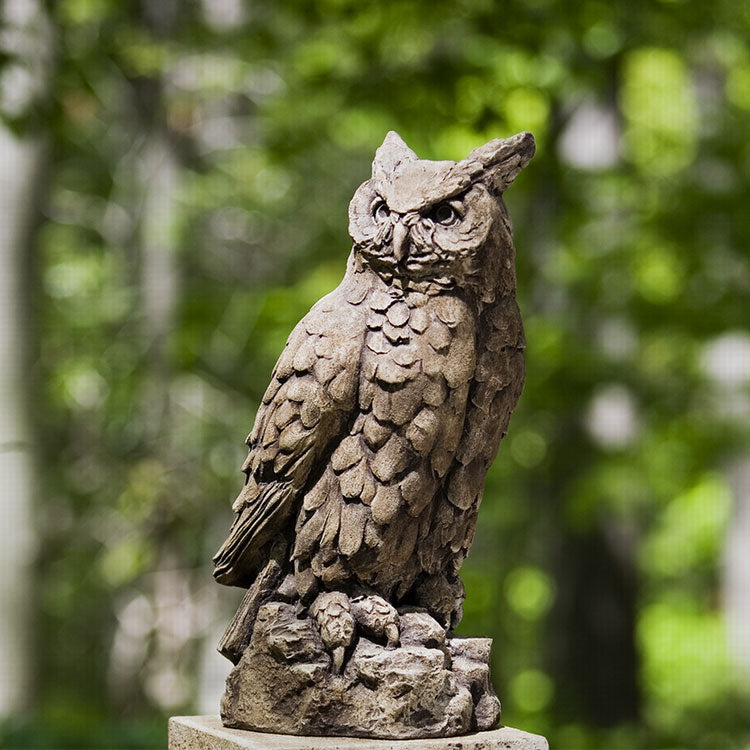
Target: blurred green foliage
(596,566)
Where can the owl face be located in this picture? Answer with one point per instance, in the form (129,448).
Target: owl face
(431,220)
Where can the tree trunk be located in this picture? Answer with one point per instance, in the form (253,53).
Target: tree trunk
(593,650)
(22,161)
(27,42)
(159,274)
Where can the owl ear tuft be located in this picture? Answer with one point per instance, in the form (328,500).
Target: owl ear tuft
(498,162)
(393,152)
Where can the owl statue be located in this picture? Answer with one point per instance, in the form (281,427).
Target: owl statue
(369,451)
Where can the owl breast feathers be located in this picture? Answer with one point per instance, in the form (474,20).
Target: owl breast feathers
(386,408)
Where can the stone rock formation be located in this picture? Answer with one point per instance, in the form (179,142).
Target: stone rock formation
(429,686)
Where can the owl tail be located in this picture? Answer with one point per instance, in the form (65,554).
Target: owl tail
(237,636)
(244,552)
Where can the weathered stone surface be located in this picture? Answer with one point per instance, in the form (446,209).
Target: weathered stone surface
(418,628)
(284,682)
(470,659)
(207,733)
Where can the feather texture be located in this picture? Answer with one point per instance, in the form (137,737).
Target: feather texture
(386,408)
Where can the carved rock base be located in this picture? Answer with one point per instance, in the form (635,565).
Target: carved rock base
(207,733)
(428,686)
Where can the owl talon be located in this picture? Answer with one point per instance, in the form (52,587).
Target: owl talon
(377,618)
(392,634)
(332,613)
(338,658)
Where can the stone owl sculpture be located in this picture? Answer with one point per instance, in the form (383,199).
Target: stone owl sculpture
(369,451)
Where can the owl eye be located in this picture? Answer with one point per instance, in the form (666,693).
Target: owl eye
(445,214)
(380,210)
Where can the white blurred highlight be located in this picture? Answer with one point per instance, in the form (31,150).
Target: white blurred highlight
(612,419)
(726,359)
(591,138)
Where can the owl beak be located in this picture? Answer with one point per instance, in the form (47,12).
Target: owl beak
(400,243)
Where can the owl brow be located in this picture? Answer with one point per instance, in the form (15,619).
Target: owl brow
(458,206)
(455,202)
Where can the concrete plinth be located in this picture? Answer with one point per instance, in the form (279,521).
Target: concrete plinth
(207,733)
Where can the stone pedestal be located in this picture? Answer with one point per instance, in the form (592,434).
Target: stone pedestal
(207,733)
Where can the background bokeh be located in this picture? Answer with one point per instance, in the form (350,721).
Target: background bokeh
(174,182)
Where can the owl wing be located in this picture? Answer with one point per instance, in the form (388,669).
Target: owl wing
(304,412)
(495,390)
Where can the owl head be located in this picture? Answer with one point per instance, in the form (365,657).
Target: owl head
(441,223)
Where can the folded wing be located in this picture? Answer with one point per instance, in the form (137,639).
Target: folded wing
(304,414)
